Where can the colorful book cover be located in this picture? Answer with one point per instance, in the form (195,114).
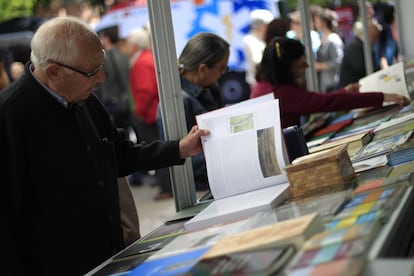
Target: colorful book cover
(364,230)
(352,266)
(328,253)
(169,265)
(384,182)
(362,209)
(253,262)
(402,154)
(333,128)
(381,146)
(349,221)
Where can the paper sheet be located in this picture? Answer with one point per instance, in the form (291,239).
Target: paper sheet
(245,150)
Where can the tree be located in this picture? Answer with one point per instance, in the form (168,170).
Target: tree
(10,9)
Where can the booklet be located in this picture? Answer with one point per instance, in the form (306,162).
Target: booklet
(388,80)
(245,150)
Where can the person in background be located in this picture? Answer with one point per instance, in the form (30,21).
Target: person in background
(254,42)
(283,66)
(353,63)
(114,92)
(295,31)
(144,90)
(16,70)
(201,63)
(387,51)
(330,53)
(61,155)
(143,82)
(276,27)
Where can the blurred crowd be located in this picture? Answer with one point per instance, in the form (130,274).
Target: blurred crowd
(130,92)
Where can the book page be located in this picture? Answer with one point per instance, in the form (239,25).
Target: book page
(388,80)
(244,150)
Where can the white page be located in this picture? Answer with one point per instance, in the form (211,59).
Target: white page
(388,80)
(238,134)
(238,207)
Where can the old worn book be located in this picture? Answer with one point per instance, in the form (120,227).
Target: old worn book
(355,142)
(382,146)
(295,231)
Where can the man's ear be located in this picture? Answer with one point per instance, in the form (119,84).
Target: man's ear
(53,71)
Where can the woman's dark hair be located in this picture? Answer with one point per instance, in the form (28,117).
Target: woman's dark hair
(277,27)
(277,60)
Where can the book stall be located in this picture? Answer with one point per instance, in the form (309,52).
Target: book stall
(343,208)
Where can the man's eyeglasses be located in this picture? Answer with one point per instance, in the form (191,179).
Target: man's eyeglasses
(86,74)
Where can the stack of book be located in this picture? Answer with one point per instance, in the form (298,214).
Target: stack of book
(260,251)
(343,247)
(335,252)
(354,142)
(320,172)
(373,200)
(382,145)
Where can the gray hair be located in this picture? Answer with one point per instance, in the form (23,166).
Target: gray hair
(140,38)
(60,39)
(358,29)
(203,48)
(260,17)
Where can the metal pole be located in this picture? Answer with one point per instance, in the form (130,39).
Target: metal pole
(311,79)
(367,43)
(171,101)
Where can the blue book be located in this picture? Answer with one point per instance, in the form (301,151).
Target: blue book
(401,154)
(169,265)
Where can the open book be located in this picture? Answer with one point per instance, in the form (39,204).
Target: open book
(246,159)
(388,80)
(245,150)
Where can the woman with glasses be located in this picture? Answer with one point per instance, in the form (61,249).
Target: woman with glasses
(201,63)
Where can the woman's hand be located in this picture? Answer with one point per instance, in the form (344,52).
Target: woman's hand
(352,87)
(395,98)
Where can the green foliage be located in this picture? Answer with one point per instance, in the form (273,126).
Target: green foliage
(15,8)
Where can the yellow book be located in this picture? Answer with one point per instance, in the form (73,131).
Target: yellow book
(295,231)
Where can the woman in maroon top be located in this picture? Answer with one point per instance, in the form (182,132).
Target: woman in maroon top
(282,71)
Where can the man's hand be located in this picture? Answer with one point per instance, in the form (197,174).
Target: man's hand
(190,145)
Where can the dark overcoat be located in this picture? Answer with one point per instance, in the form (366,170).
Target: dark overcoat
(59,206)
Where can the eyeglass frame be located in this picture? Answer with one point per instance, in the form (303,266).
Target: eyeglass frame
(86,74)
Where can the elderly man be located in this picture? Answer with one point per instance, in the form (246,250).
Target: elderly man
(61,156)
